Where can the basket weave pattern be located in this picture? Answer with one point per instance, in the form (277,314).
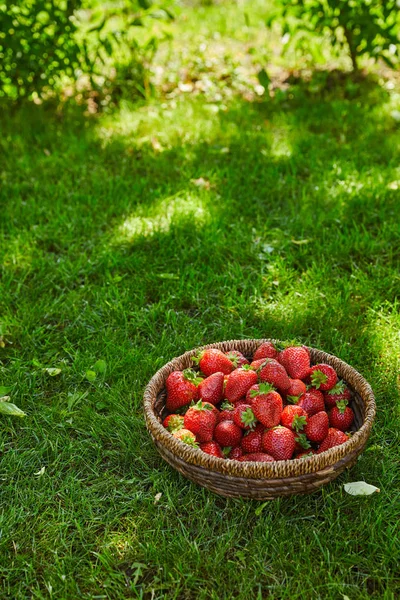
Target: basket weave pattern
(261,481)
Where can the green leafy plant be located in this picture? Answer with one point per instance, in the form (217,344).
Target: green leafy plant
(47,45)
(364,27)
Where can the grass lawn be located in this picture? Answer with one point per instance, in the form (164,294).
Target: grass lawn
(134,236)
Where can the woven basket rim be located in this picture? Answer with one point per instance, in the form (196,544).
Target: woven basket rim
(319,463)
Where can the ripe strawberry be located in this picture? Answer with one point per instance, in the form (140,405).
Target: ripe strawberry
(334,438)
(212,448)
(244,417)
(323,377)
(251,441)
(302,442)
(267,405)
(186,436)
(173,423)
(201,420)
(294,417)
(279,442)
(211,389)
(256,364)
(317,427)
(181,388)
(296,361)
(312,402)
(305,454)
(226,413)
(274,373)
(213,361)
(339,392)
(239,382)
(341,416)
(295,390)
(227,433)
(233,453)
(237,358)
(266,350)
(256,457)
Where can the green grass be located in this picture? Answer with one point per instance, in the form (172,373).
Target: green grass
(110,250)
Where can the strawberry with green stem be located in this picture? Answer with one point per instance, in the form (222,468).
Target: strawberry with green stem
(181,388)
(323,377)
(271,371)
(266,404)
(252,440)
(244,417)
(226,413)
(339,392)
(312,401)
(295,390)
(294,417)
(201,420)
(212,360)
(341,416)
(302,443)
(237,358)
(173,422)
(186,436)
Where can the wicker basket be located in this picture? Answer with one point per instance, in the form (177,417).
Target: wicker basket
(261,481)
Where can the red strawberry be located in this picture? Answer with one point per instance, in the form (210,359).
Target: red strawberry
(339,392)
(201,420)
(256,364)
(302,442)
(295,390)
(266,350)
(251,442)
(186,436)
(226,413)
(267,405)
(212,448)
(296,361)
(211,389)
(239,382)
(234,453)
(227,433)
(274,373)
(341,416)
(242,400)
(173,422)
(317,427)
(213,361)
(244,417)
(294,417)
(334,438)
(256,457)
(312,402)
(237,358)
(323,377)
(279,442)
(181,388)
(305,454)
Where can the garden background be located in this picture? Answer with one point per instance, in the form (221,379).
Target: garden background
(172,175)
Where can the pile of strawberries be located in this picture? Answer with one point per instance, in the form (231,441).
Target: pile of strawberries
(278,407)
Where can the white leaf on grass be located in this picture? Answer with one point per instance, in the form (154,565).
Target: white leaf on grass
(52,371)
(5,399)
(360,488)
(157,497)
(7,408)
(41,472)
